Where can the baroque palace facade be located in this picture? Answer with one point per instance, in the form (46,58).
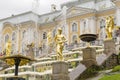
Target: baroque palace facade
(75,18)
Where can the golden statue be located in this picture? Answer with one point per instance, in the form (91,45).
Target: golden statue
(109,27)
(60,40)
(8,48)
(49,38)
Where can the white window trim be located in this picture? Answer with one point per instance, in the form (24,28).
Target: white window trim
(75,23)
(15,34)
(42,35)
(4,39)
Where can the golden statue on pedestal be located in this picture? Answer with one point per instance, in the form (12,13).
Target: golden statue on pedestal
(60,40)
(8,48)
(109,27)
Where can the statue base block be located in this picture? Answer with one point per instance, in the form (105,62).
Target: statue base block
(89,57)
(60,71)
(109,47)
(15,78)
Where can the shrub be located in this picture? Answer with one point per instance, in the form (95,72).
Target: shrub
(89,72)
(117,68)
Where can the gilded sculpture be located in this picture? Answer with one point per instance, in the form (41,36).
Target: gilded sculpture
(8,48)
(59,40)
(109,27)
(49,38)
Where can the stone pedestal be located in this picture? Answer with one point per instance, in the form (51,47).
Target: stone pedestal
(109,47)
(60,71)
(89,57)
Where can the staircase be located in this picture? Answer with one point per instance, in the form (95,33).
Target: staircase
(81,68)
(77,71)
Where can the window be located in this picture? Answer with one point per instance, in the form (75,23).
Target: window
(13,36)
(24,33)
(54,31)
(74,27)
(6,38)
(101,35)
(44,35)
(35,35)
(115,21)
(13,48)
(23,48)
(63,29)
(74,38)
(102,23)
(84,25)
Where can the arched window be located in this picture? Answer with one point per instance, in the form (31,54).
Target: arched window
(44,35)
(54,31)
(13,36)
(74,38)
(63,29)
(102,23)
(6,38)
(74,27)
(84,25)
(35,35)
(13,48)
(23,48)
(24,33)
(115,21)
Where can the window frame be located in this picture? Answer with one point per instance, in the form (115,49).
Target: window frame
(74,27)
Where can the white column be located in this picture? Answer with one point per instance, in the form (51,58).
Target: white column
(81,26)
(64,14)
(29,36)
(118,17)
(92,25)
(104,34)
(17,39)
(87,26)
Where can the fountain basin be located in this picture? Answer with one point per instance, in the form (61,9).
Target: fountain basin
(88,37)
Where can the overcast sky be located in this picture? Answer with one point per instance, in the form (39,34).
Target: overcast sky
(9,7)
